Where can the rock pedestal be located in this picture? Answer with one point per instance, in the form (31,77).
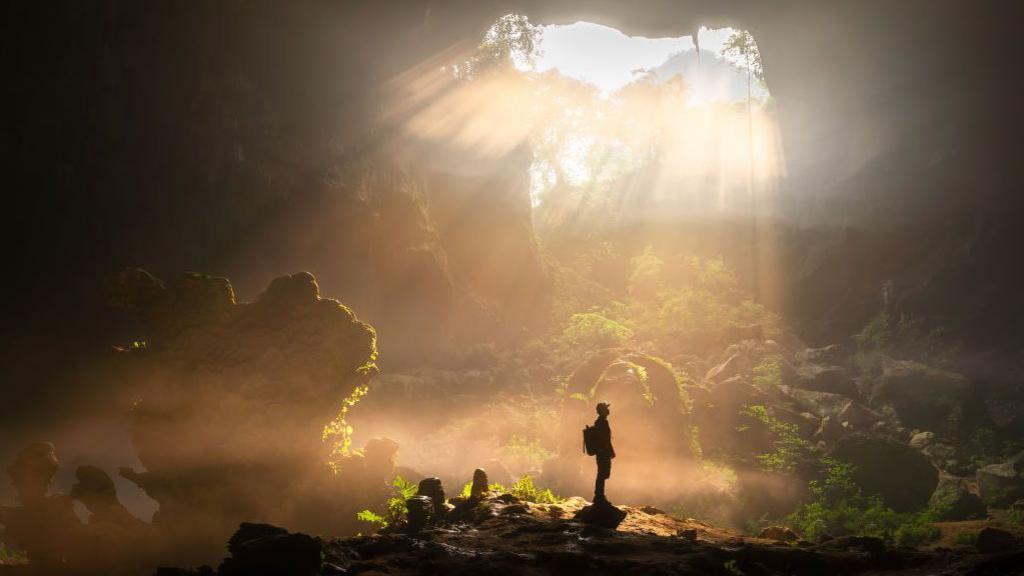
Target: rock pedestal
(602,514)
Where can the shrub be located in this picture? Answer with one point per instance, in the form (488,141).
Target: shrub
(792,453)
(395,509)
(837,506)
(1015,516)
(916,530)
(595,330)
(525,490)
(767,373)
(966,538)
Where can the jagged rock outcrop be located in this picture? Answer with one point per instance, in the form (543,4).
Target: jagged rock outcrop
(234,399)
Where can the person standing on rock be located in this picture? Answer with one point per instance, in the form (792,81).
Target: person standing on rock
(598,443)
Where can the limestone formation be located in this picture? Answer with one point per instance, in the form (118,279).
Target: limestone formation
(235,399)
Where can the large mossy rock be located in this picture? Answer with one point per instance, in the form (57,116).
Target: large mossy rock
(902,476)
(954,501)
(1000,485)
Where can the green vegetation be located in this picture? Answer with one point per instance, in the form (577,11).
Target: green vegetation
(9,556)
(337,433)
(966,538)
(522,453)
(985,446)
(395,509)
(594,330)
(907,336)
(767,374)
(510,41)
(791,452)
(1015,516)
(837,506)
(670,303)
(525,490)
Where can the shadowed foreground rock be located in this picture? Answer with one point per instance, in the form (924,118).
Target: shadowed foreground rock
(233,402)
(504,535)
(602,514)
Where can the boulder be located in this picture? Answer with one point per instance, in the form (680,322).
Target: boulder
(601,514)
(271,551)
(943,456)
(954,501)
(778,533)
(1002,484)
(419,513)
(923,397)
(831,354)
(995,541)
(732,366)
(858,416)
(902,476)
(922,439)
(831,379)
(820,404)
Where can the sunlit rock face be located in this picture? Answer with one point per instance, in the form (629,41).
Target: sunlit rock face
(233,397)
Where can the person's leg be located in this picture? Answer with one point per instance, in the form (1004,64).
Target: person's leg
(603,472)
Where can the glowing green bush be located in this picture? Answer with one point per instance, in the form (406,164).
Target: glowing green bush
(395,509)
(525,490)
(792,453)
(593,330)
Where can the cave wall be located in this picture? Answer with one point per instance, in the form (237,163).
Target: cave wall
(202,136)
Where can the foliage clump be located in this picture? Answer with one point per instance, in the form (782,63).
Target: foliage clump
(669,303)
(395,509)
(837,505)
(906,336)
(526,490)
(594,330)
(792,453)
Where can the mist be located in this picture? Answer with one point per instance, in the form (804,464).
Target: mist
(287,263)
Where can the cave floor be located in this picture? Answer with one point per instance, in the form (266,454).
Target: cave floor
(526,538)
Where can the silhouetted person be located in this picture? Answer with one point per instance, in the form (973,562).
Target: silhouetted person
(603,451)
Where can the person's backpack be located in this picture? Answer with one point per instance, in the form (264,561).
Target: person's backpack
(590,440)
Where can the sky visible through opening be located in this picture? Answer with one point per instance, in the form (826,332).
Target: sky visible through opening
(609,59)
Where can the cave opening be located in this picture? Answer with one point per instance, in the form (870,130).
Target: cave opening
(623,125)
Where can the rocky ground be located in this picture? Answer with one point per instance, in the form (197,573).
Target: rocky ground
(508,536)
